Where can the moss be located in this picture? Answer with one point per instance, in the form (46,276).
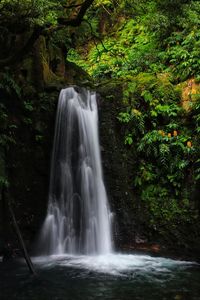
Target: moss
(75,75)
(48,76)
(135,88)
(110,88)
(146,80)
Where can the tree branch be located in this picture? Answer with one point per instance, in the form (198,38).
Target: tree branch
(79,18)
(95,36)
(62,22)
(21,240)
(72,6)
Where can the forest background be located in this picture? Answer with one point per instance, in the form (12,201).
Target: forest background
(143,58)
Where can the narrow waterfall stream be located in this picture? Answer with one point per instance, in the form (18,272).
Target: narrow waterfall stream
(78,215)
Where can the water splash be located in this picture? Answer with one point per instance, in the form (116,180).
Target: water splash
(78,215)
(125,265)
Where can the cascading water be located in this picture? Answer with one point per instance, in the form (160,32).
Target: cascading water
(78,215)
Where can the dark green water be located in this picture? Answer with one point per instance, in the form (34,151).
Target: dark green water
(111,277)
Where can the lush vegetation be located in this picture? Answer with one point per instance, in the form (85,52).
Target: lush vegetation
(152,48)
(165,139)
(22,23)
(145,38)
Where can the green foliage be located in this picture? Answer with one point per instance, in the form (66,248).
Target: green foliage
(128,139)
(9,85)
(134,52)
(164,210)
(8,88)
(167,149)
(147,46)
(4,182)
(29,12)
(162,36)
(183,54)
(28,105)
(107,3)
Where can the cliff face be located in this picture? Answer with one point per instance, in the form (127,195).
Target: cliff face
(117,165)
(134,224)
(26,159)
(29,95)
(30,108)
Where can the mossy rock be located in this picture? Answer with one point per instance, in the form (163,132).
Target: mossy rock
(75,75)
(158,87)
(109,88)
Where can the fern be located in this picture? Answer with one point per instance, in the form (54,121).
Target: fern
(9,85)
(164,153)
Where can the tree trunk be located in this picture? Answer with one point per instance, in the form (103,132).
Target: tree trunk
(20,239)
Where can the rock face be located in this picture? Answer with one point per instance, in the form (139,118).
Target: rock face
(130,222)
(117,164)
(28,105)
(25,153)
(31,108)
(28,159)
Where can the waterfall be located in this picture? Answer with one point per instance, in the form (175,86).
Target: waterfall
(78,215)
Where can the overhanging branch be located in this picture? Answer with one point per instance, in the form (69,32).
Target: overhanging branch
(62,23)
(72,6)
(79,18)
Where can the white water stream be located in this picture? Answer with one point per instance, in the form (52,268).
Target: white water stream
(78,215)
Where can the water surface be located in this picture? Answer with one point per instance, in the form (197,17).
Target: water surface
(108,277)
